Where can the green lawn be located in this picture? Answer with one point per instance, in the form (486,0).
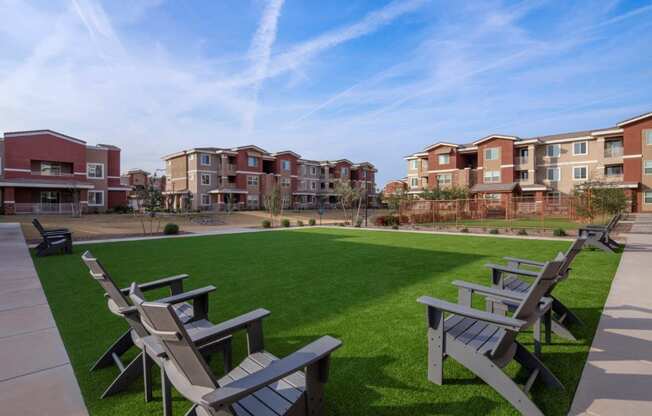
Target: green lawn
(358,286)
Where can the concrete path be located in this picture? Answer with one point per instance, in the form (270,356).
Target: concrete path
(36,377)
(617,378)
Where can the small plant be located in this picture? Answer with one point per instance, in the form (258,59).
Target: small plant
(559,232)
(464,230)
(299,223)
(312,222)
(358,223)
(494,231)
(267,224)
(171,229)
(522,232)
(394,226)
(285,223)
(342,224)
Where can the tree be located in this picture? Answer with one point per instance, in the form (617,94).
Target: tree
(449,193)
(347,196)
(151,199)
(393,200)
(599,198)
(273,202)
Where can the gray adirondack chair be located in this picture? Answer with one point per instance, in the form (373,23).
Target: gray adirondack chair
(485,342)
(53,240)
(193,317)
(599,235)
(261,385)
(513,280)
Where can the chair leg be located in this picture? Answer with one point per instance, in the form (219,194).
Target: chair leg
(561,310)
(131,372)
(147,376)
(493,375)
(166,393)
(532,363)
(119,347)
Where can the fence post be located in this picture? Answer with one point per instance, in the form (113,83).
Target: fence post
(457,209)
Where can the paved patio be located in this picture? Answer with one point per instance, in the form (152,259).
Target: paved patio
(617,378)
(36,377)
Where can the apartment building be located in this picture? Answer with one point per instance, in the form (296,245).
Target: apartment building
(500,166)
(43,171)
(211,178)
(396,187)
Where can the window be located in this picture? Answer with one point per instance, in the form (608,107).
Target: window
(252,180)
(95,198)
(491,154)
(414,164)
(285,182)
(424,164)
(205,179)
(552,150)
(344,172)
(492,197)
(523,152)
(205,200)
(613,148)
(49,197)
(648,137)
(95,170)
(648,167)
(191,157)
(205,160)
(552,174)
(580,173)
(580,148)
(313,171)
(50,169)
(522,175)
(285,165)
(252,161)
(252,201)
(613,170)
(414,182)
(492,176)
(443,159)
(648,197)
(364,174)
(313,185)
(444,179)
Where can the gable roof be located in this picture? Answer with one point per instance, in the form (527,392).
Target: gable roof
(495,136)
(634,119)
(45,131)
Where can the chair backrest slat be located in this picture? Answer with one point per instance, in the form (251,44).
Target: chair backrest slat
(570,255)
(161,321)
(38,226)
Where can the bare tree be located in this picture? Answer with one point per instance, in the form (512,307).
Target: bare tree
(150,198)
(347,196)
(273,202)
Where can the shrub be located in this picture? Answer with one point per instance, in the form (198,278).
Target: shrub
(464,230)
(358,223)
(522,232)
(342,224)
(559,232)
(312,221)
(121,209)
(394,226)
(171,229)
(494,231)
(388,220)
(285,223)
(299,223)
(267,224)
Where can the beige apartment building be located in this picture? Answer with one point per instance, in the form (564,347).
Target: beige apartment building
(212,178)
(498,166)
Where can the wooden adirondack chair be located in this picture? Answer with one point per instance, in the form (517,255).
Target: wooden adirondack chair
(515,281)
(261,385)
(599,235)
(53,240)
(485,342)
(193,317)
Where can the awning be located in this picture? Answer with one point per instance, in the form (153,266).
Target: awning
(45,183)
(533,187)
(495,187)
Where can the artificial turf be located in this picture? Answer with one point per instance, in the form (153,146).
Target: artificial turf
(358,286)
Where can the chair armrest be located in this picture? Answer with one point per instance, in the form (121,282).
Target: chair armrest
(238,389)
(455,309)
(490,291)
(157,284)
(511,270)
(596,227)
(233,325)
(525,261)
(186,296)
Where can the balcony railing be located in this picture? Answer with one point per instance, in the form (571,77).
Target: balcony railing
(521,160)
(46,208)
(613,151)
(51,173)
(228,169)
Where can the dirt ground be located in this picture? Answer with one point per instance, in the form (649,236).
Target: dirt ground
(100,226)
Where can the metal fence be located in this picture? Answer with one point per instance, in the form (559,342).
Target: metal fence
(47,208)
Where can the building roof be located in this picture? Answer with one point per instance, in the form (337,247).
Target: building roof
(494,187)
(45,131)
(634,119)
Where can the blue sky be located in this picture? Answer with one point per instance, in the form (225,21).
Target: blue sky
(364,80)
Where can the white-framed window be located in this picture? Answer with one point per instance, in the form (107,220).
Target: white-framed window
(95,198)
(492,176)
(647,167)
(424,164)
(313,171)
(50,169)
(492,197)
(205,159)
(313,185)
(647,197)
(523,153)
(344,172)
(580,148)
(285,182)
(552,174)
(414,182)
(205,200)
(252,180)
(580,173)
(443,159)
(522,175)
(414,164)
(553,150)
(285,165)
(613,170)
(492,153)
(205,179)
(252,201)
(252,161)
(648,137)
(444,179)
(95,170)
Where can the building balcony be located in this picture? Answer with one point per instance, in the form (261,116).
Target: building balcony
(521,160)
(613,152)
(228,169)
(52,173)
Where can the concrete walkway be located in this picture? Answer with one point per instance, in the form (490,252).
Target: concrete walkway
(617,378)
(36,377)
